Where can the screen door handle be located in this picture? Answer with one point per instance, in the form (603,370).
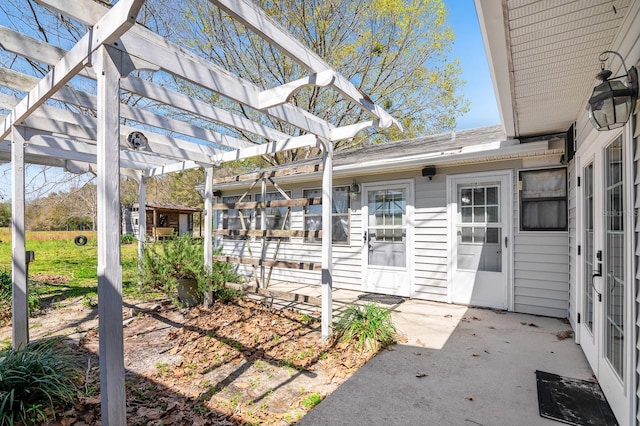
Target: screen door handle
(506,242)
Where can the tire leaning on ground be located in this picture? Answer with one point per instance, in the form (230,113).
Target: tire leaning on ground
(80,240)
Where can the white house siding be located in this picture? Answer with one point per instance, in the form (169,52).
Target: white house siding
(430,219)
(543,293)
(541,273)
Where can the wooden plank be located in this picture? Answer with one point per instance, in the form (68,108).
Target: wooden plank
(295,202)
(269,233)
(267,148)
(293,297)
(287,264)
(289,171)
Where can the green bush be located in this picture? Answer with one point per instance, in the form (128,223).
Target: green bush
(36,381)
(167,261)
(127,239)
(6,290)
(369,326)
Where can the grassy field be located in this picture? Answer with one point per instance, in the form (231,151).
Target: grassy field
(62,269)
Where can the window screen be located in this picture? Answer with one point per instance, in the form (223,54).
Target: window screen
(543,200)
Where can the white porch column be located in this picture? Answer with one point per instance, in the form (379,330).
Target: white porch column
(20,309)
(112,388)
(208,218)
(327,239)
(208,228)
(142,215)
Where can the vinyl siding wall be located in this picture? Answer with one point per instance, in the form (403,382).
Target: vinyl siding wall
(543,293)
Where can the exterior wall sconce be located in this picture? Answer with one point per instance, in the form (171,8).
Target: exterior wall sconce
(612,102)
(354,190)
(429,171)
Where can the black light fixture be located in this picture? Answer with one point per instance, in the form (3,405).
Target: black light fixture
(612,102)
(429,171)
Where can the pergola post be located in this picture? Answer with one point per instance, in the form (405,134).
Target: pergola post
(142,216)
(208,224)
(112,389)
(327,239)
(20,306)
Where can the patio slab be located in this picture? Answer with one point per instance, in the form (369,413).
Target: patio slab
(459,366)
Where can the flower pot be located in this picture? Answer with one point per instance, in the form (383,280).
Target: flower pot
(188,292)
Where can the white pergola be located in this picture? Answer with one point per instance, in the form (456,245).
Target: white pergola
(40,130)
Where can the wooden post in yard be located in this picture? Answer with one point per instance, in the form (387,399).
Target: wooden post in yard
(20,305)
(112,390)
(208,227)
(327,239)
(142,216)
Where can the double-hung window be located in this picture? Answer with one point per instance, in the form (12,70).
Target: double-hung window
(277,218)
(232,219)
(543,200)
(339,215)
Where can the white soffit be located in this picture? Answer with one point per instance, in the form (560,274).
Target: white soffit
(550,57)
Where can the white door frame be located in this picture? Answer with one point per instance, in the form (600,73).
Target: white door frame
(410,227)
(593,150)
(505,177)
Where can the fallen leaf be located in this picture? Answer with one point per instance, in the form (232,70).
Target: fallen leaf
(421,375)
(417,353)
(565,334)
(470,398)
(533,325)
(448,316)
(474,354)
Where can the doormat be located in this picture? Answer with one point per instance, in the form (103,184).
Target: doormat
(385,299)
(572,401)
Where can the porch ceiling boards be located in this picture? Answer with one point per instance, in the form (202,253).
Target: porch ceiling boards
(544,63)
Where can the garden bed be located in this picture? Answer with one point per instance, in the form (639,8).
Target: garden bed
(240,363)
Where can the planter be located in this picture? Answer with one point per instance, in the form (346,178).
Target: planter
(188,292)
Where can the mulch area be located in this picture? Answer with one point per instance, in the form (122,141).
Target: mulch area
(228,364)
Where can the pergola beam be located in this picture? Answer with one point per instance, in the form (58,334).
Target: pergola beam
(253,17)
(113,25)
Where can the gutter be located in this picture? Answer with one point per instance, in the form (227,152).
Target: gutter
(494,151)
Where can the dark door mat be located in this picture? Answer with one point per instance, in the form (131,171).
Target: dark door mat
(385,299)
(572,401)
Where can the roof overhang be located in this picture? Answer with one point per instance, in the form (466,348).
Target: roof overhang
(543,57)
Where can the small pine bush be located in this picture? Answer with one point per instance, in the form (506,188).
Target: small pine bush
(370,326)
(36,381)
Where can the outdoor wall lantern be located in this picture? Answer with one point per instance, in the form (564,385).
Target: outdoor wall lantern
(612,102)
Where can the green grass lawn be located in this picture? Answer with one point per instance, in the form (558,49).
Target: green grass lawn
(62,269)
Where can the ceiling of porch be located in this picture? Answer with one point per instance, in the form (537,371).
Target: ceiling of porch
(543,55)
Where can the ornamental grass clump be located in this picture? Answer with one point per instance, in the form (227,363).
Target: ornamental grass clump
(369,326)
(36,381)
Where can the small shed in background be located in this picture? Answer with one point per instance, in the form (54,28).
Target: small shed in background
(163,220)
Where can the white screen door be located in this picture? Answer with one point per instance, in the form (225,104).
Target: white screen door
(386,238)
(480,224)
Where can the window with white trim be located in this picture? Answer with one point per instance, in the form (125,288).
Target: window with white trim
(543,200)
(277,218)
(339,215)
(232,219)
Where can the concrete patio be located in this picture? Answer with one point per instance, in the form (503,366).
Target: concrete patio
(458,366)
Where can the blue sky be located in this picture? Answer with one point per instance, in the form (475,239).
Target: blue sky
(468,47)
